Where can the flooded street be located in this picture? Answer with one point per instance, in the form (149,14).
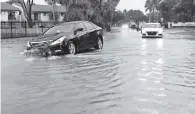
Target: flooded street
(130,75)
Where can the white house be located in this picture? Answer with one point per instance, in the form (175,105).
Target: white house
(39,12)
(43,12)
(9,12)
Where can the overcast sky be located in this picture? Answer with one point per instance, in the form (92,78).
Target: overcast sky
(132,4)
(124,4)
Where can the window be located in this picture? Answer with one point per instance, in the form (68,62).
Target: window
(88,26)
(62,14)
(60,28)
(44,14)
(36,16)
(2,12)
(80,25)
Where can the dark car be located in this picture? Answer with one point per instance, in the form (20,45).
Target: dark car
(132,25)
(71,37)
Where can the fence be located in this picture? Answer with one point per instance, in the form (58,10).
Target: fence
(184,24)
(14,29)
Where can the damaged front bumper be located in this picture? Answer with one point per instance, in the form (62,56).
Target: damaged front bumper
(43,48)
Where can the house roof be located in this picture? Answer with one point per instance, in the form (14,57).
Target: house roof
(47,8)
(8,7)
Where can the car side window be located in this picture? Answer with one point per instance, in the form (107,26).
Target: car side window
(80,25)
(88,26)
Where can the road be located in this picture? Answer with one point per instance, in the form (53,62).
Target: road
(130,75)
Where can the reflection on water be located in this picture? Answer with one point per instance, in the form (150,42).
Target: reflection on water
(130,75)
(160,43)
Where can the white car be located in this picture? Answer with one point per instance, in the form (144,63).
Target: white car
(152,30)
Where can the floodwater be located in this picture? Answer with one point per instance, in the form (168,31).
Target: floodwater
(130,75)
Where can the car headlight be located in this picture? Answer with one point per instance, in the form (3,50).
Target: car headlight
(160,32)
(143,31)
(58,41)
(28,44)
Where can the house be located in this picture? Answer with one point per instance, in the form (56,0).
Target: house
(39,12)
(9,12)
(44,12)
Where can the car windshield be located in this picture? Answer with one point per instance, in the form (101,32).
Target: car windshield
(60,28)
(151,26)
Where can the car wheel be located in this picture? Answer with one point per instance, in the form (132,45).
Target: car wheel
(72,48)
(99,44)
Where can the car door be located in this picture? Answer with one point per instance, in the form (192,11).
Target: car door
(95,34)
(82,36)
(91,32)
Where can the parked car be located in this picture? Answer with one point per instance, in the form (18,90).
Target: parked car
(152,30)
(71,37)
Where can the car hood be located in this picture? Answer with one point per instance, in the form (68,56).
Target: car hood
(152,29)
(50,37)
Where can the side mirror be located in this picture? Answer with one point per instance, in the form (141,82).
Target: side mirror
(77,30)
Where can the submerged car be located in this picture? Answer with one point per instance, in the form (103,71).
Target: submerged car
(152,30)
(70,37)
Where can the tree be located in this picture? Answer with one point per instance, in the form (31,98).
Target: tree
(108,10)
(53,4)
(91,10)
(177,10)
(149,7)
(67,4)
(136,15)
(152,6)
(54,16)
(27,8)
(185,9)
(102,7)
(84,8)
(118,17)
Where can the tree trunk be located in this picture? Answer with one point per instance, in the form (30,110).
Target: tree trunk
(30,17)
(54,18)
(192,16)
(153,15)
(66,13)
(150,15)
(111,19)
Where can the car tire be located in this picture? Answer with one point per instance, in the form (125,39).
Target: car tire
(72,49)
(99,44)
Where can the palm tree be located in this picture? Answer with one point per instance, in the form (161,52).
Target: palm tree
(149,7)
(152,7)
